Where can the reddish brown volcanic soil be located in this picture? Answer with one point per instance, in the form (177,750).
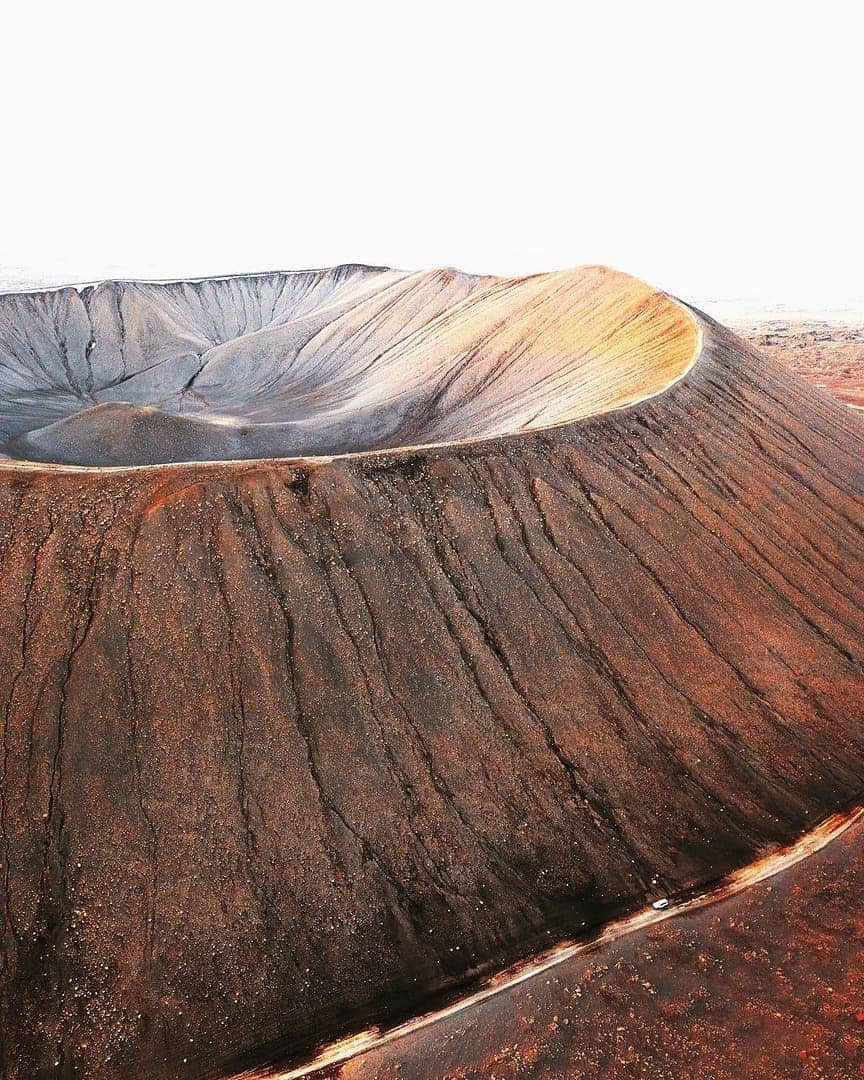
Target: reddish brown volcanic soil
(828,354)
(766,985)
(290,747)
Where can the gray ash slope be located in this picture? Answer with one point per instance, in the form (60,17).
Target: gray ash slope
(118,373)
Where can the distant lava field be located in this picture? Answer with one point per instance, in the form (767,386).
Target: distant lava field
(365,633)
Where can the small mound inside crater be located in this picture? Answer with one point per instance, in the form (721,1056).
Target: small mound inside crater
(322,363)
(126,434)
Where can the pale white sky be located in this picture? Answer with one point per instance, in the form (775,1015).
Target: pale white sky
(714,150)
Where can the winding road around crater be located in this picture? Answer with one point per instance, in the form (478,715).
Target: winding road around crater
(420,1048)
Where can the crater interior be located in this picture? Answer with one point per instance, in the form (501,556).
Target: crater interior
(322,363)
